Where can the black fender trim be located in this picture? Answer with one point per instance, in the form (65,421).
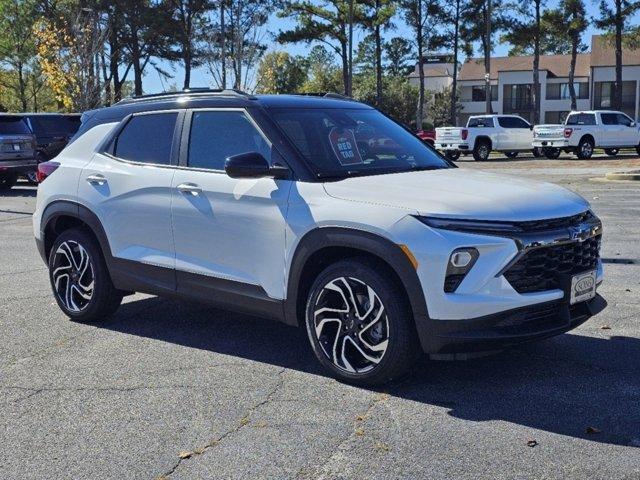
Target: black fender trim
(381,247)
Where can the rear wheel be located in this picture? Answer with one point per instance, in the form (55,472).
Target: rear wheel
(7,180)
(452,155)
(481,151)
(584,151)
(511,154)
(551,153)
(537,152)
(638,149)
(359,324)
(79,278)
(612,152)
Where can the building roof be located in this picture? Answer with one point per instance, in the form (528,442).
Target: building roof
(556,65)
(603,54)
(433,71)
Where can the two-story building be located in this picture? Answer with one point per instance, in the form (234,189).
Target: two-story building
(511,80)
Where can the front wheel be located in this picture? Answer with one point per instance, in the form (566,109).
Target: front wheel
(551,153)
(79,278)
(359,323)
(612,152)
(481,151)
(452,155)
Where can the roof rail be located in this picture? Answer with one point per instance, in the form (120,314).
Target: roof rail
(337,96)
(194,91)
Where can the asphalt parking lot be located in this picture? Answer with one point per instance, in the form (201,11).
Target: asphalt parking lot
(178,390)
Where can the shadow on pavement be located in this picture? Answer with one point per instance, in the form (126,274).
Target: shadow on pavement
(563,385)
(20,191)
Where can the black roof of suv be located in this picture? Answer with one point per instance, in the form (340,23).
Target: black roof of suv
(206,98)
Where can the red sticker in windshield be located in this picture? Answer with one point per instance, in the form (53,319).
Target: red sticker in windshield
(344,145)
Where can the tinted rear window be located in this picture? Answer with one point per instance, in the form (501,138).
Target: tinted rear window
(12,126)
(480,122)
(55,124)
(581,119)
(147,138)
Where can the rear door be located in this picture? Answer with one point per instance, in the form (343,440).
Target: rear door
(507,135)
(128,186)
(611,131)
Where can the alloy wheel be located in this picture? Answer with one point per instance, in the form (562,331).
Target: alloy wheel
(587,149)
(73,276)
(351,325)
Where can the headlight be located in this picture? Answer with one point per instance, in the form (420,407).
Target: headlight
(470,226)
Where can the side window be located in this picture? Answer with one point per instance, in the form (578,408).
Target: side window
(147,138)
(507,122)
(519,123)
(623,120)
(480,122)
(581,119)
(609,119)
(217,135)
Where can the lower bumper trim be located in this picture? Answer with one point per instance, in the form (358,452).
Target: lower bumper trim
(505,329)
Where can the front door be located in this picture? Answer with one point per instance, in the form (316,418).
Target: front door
(229,233)
(628,131)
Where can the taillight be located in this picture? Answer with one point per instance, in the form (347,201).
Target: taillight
(465,133)
(45,169)
(568,132)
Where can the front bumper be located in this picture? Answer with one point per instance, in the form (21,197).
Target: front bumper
(551,143)
(457,338)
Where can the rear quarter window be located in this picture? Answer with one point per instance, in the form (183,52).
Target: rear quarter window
(480,122)
(581,119)
(147,138)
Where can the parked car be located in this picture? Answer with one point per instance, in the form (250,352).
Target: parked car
(509,134)
(17,150)
(427,136)
(53,131)
(582,132)
(266,204)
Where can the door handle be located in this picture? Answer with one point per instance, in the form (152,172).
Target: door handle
(96,179)
(191,188)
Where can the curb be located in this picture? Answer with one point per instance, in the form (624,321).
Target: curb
(633,175)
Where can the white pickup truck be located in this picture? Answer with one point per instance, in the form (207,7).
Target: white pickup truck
(509,134)
(582,132)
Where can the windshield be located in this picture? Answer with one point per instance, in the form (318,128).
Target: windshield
(347,142)
(55,124)
(13,125)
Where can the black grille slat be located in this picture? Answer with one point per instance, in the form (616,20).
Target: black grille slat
(554,223)
(539,269)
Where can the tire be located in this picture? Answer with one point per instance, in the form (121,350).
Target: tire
(332,326)
(481,151)
(86,276)
(551,153)
(536,152)
(584,150)
(511,154)
(452,155)
(612,152)
(7,181)
(638,149)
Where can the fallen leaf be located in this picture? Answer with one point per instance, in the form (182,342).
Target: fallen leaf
(261,424)
(359,432)
(532,443)
(627,289)
(184,454)
(592,430)
(360,418)
(199,451)
(244,421)
(382,446)
(605,327)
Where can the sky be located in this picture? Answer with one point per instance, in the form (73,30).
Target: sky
(200,77)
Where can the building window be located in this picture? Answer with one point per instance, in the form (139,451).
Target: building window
(560,91)
(478,93)
(518,98)
(603,96)
(555,117)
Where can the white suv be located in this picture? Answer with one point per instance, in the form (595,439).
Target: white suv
(318,212)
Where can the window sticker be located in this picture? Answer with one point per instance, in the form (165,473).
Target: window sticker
(344,145)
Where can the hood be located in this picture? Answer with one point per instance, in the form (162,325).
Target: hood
(462,193)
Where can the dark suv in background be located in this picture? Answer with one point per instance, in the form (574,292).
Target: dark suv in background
(17,150)
(52,131)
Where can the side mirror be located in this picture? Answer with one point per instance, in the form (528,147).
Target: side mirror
(252,165)
(632,124)
(531,127)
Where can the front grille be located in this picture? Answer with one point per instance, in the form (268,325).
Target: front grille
(554,223)
(540,269)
